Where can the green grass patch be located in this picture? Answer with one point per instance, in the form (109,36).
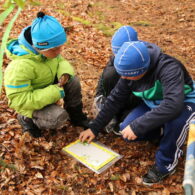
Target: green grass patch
(107,29)
(115,177)
(4,165)
(100,15)
(141,23)
(62,187)
(35,3)
(78,19)
(116,25)
(98,4)
(81,20)
(65,13)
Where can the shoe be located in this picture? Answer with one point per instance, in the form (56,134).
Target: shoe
(113,126)
(116,130)
(28,126)
(155,176)
(98,104)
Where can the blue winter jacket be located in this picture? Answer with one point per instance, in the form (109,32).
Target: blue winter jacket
(164,88)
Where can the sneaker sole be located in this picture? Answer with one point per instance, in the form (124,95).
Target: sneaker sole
(107,130)
(150,184)
(117,133)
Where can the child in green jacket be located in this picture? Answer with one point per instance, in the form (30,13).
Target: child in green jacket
(38,76)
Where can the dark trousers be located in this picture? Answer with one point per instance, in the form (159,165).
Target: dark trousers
(72,91)
(174,135)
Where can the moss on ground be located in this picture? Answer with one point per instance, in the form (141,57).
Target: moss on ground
(107,29)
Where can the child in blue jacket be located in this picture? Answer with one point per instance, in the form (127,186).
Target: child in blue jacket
(110,77)
(168,102)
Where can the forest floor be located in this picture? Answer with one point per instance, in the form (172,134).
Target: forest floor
(36,166)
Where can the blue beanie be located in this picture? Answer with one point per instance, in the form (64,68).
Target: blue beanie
(123,34)
(47,32)
(132,59)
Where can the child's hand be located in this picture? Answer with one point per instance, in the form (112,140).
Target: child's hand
(63,80)
(127,133)
(60,102)
(86,135)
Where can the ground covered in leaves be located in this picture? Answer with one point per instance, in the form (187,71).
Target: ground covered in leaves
(37,166)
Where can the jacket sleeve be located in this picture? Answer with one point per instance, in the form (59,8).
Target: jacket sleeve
(64,68)
(111,61)
(21,94)
(172,80)
(114,102)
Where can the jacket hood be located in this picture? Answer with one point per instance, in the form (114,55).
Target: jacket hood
(154,52)
(17,48)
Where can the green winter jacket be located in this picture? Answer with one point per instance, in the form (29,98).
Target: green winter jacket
(29,79)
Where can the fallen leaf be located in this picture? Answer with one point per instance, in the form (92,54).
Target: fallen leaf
(39,175)
(111,186)
(125,177)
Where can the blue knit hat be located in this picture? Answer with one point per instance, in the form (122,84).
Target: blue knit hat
(123,34)
(47,32)
(132,59)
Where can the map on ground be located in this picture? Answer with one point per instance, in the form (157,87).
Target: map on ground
(95,156)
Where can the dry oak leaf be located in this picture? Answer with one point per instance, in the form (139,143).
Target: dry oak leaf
(125,177)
